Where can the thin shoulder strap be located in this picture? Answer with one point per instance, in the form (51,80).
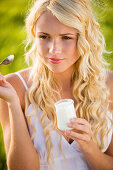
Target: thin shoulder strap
(23,81)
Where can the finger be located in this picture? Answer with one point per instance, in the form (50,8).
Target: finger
(2,79)
(75,136)
(80,121)
(83,128)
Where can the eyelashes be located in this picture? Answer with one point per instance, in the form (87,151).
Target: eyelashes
(66,38)
(43,37)
(47,37)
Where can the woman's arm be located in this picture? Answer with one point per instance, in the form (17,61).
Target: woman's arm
(104,161)
(20,151)
(95,158)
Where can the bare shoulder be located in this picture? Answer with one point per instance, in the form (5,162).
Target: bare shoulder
(109,83)
(110,77)
(16,82)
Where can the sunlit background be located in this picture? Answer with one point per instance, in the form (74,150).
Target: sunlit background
(13,36)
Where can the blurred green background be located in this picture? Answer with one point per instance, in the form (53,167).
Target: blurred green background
(13,35)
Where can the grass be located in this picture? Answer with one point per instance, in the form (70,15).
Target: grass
(12,29)
(13,33)
(104,13)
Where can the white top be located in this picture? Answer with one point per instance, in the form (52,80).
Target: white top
(75,158)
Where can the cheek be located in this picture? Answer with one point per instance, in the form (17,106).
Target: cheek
(41,47)
(71,48)
(73,51)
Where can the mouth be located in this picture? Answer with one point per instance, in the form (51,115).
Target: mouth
(56,60)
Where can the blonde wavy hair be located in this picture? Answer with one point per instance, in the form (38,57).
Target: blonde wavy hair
(89,86)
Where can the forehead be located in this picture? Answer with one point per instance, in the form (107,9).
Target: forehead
(48,23)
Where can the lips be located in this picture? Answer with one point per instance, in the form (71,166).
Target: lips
(56,60)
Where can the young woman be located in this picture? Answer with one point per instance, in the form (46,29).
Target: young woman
(67,55)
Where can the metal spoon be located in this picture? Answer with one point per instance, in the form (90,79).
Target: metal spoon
(7,60)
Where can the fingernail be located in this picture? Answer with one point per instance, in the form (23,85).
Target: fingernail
(68,132)
(73,119)
(69,124)
(4,81)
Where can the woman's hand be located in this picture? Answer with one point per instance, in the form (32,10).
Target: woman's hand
(80,132)
(7,92)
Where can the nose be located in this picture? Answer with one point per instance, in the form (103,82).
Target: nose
(55,47)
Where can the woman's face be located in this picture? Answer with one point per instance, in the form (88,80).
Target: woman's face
(56,43)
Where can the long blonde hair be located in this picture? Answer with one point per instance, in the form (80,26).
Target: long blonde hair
(89,87)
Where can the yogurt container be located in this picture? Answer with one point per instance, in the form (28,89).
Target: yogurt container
(64,111)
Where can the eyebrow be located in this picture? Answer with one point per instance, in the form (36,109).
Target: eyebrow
(59,34)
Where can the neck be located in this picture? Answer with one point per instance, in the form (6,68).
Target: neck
(64,80)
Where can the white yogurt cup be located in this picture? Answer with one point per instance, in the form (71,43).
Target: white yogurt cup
(64,111)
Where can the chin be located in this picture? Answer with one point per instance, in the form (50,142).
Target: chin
(54,70)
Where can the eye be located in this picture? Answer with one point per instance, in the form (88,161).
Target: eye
(66,38)
(43,36)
